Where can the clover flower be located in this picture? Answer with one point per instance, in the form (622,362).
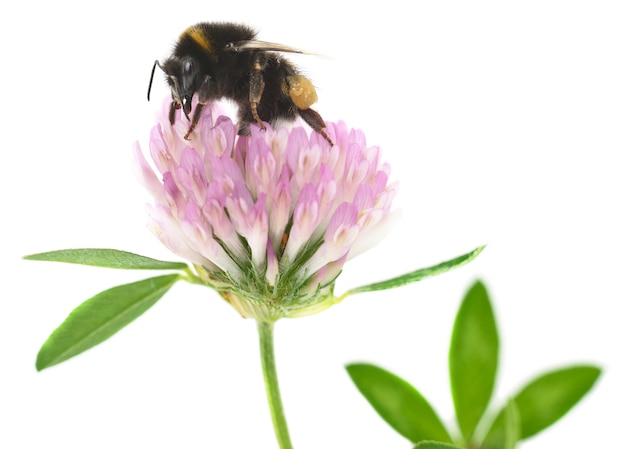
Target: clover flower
(268,220)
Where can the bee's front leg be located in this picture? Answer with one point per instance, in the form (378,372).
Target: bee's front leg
(203,98)
(174,105)
(195,118)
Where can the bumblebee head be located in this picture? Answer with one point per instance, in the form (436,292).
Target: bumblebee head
(184,77)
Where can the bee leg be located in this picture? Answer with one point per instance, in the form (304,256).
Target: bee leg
(315,121)
(257,85)
(203,98)
(194,119)
(172,115)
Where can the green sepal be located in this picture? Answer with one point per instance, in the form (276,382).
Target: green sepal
(107,258)
(545,400)
(398,403)
(100,317)
(418,275)
(473,358)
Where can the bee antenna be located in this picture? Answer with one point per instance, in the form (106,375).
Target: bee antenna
(156,63)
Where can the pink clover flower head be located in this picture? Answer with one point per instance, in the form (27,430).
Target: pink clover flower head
(268,220)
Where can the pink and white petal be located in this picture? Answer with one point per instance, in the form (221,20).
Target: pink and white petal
(168,231)
(223,229)
(280,210)
(342,231)
(257,232)
(373,235)
(191,176)
(146,176)
(305,219)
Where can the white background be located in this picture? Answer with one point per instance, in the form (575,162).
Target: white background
(504,123)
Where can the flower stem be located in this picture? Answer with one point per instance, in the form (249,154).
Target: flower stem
(266,338)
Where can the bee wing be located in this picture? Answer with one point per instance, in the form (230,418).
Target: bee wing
(267,46)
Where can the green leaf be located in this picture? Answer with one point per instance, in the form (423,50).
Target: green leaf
(549,397)
(418,275)
(398,403)
(434,445)
(545,400)
(108,258)
(473,358)
(100,317)
(512,425)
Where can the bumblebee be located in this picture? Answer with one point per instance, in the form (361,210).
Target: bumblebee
(225,60)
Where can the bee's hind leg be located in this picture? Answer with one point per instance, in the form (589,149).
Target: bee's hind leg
(315,121)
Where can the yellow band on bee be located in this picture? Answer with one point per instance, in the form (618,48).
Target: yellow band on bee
(198,37)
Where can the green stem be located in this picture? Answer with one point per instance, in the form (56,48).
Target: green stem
(266,337)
